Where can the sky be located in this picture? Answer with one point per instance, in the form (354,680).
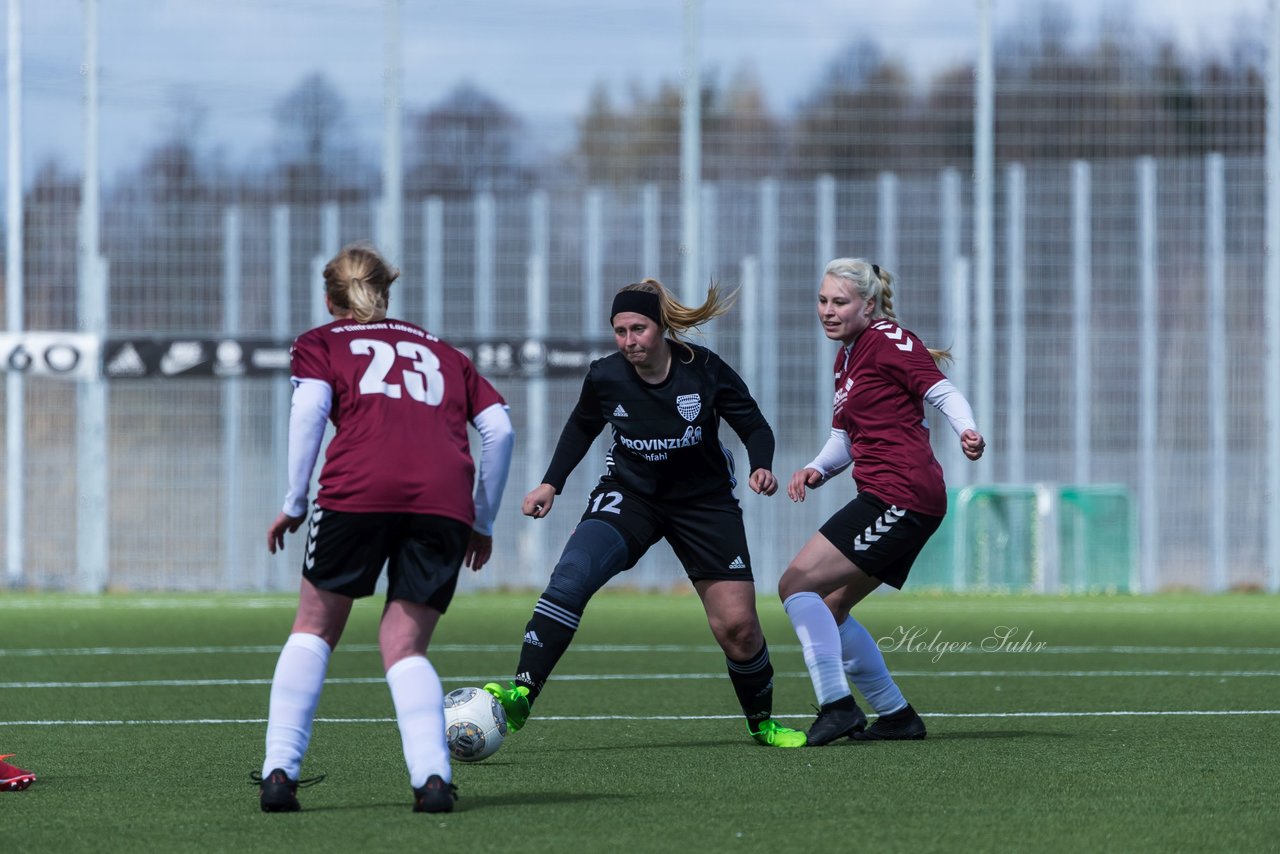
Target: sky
(221,67)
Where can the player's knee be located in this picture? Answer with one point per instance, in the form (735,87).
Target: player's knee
(595,553)
(570,581)
(792,581)
(739,637)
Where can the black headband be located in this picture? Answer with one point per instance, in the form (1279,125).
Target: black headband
(640,302)
(876,268)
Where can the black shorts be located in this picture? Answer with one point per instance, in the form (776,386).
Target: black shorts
(706,533)
(880,539)
(423,553)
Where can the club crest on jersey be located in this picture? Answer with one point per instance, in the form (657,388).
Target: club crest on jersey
(689,405)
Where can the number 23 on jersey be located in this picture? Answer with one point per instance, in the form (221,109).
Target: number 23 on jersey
(422,380)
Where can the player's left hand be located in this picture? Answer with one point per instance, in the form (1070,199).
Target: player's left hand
(763,482)
(972,443)
(479,550)
(806,477)
(275,534)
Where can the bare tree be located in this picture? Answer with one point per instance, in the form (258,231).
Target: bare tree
(469,141)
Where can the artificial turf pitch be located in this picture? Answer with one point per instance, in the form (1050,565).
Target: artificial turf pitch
(1104,724)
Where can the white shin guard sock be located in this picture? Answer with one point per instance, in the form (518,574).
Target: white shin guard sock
(864,664)
(295,691)
(820,641)
(419,701)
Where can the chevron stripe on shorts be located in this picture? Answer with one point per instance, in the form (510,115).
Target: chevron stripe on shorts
(874,532)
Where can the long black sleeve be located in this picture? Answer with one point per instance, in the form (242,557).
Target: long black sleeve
(741,412)
(584,424)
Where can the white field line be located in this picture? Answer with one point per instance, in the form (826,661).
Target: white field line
(672,677)
(98,603)
(921,649)
(288,602)
(576,718)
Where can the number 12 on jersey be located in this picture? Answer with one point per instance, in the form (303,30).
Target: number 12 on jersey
(614,499)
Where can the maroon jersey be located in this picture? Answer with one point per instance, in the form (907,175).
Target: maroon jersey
(402,400)
(881,380)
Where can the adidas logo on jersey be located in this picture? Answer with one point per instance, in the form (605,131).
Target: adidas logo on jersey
(737,563)
(531,638)
(620,412)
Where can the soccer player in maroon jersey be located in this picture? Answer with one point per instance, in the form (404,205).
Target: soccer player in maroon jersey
(883,377)
(396,488)
(667,476)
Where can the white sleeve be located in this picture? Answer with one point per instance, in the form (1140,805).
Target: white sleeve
(951,403)
(312,400)
(497,439)
(834,456)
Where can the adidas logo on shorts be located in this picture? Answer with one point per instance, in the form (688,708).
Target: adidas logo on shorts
(737,563)
(620,412)
(531,638)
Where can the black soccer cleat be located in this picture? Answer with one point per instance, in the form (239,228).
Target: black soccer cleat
(279,793)
(840,719)
(435,795)
(902,725)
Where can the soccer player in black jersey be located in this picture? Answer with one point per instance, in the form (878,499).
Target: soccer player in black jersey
(667,475)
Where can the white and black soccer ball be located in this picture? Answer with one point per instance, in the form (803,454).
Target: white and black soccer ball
(474,724)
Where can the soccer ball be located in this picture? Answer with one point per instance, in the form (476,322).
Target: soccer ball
(474,724)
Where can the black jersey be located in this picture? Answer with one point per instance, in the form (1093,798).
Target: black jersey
(666,442)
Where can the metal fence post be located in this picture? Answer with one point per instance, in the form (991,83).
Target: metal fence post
(281,389)
(482,317)
(232,401)
(93,509)
(1081,328)
(1148,376)
(651,231)
(15,430)
(825,352)
(433,263)
(1015,443)
(593,263)
(1215,266)
(538,325)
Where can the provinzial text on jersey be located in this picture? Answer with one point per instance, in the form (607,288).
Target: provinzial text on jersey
(692,436)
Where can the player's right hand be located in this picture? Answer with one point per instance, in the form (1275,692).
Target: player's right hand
(806,477)
(972,443)
(275,534)
(539,500)
(479,550)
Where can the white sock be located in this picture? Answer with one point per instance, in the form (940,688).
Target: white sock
(419,702)
(865,665)
(295,690)
(820,641)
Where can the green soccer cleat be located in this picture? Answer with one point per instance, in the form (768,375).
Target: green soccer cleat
(774,734)
(515,702)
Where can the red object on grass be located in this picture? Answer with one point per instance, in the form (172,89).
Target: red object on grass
(13,778)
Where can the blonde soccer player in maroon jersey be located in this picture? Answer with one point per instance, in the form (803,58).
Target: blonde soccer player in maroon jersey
(398,487)
(884,375)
